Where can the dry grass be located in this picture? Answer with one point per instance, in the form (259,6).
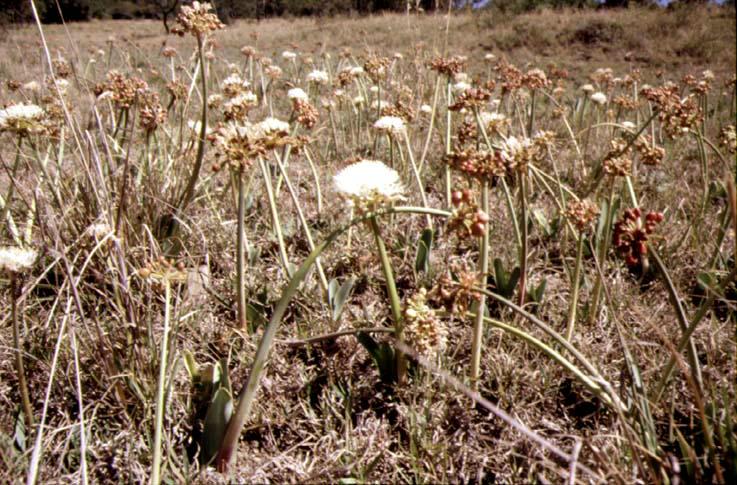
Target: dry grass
(322,413)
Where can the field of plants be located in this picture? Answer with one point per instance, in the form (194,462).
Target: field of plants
(400,248)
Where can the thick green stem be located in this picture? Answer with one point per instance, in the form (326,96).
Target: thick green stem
(575,288)
(603,247)
(302,220)
(579,374)
(22,383)
(686,328)
(275,216)
(391,289)
(188,194)
(448,123)
(478,326)
(159,419)
(524,242)
(241,253)
(432,123)
(418,179)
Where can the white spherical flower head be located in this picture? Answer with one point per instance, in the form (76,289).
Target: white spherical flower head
(358,100)
(488,118)
(513,147)
(628,125)
(426,108)
(288,55)
(271,126)
(393,125)
(356,71)
(32,86)
(369,183)
(62,85)
(16,260)
(234,82)
(599,98)
(374,89)
(22,118)
(461,86)
(297,94)
(587,88)
(317,77)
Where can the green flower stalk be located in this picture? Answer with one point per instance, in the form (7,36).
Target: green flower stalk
(368,185)
(15,261)
(199,22)
(581,214)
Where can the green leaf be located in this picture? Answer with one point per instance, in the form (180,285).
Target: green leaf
(19,438)
(216,421)
(542,221)
(191,364)
(424,246)
(505,282)
(338,295)
(224,382)
(706,280)
(383,356)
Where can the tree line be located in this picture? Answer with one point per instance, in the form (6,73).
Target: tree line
(13,11)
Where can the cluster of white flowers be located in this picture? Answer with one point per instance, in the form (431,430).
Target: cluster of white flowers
(426,108)
(587,88)
(368,183)
(242,100)
(461,86)
(393,125)
(297,94)
(99,230)
(234,83)
(15,259)
(62,85)
(513,146)
(318,77)
(599,98)
(379,104)
(488,118)
(32,86)
(356,71)
(22,118)
(272,125)
(288,55)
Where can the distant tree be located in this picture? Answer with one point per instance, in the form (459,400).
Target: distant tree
(166,9)
(66,10)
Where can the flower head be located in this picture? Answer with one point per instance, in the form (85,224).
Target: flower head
(271,126)
(317,77)
(15,259)
(297,93)
(599,98)
(392,125)
(424,330)
(369,183)
(198,19)
(587,88)
(233,85)
(288,55)
(22,119)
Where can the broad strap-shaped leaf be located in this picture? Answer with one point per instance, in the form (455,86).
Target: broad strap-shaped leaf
(216,421)
(424,246)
